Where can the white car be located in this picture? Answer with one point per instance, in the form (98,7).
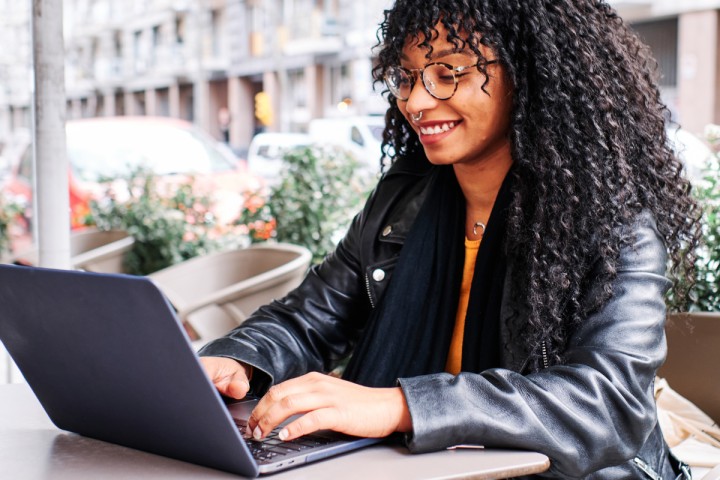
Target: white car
(359,135)
(266,151)
(692,152)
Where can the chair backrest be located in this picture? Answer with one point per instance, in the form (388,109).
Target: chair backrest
(215,293)
(100,251)
(90,249)
(692,367)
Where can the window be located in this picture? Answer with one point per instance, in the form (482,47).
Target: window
(180,29)
(217,31)
(156,43)
(356,136)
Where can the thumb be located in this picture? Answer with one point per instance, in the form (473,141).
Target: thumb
(238,386)
(229,376)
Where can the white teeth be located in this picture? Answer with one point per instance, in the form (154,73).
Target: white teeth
(437,129)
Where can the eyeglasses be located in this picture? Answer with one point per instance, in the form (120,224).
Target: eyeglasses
(440,79)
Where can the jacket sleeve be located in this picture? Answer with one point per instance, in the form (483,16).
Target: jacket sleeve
(596,407)
(310,329)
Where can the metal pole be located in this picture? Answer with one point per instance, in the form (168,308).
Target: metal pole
(51,164)
(201,95)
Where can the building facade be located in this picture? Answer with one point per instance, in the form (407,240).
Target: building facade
(239,66)
(685,38)
(204,61)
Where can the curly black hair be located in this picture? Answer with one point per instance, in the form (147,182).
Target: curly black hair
(588,143)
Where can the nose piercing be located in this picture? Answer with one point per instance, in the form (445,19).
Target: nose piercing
(416,118)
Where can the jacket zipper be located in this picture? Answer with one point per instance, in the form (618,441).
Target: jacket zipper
(546,363)
(646,469)
(367,287)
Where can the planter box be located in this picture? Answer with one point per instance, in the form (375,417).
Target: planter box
(692,367)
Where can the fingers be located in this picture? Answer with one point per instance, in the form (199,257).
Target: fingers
(322,419)
(329,403)
(299,395)
(321,415)
(229,376)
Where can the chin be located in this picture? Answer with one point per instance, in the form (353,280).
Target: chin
(439,158)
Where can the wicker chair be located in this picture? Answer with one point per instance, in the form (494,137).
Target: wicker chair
(215,293)
(90,249)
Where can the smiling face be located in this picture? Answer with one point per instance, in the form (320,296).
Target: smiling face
(471,127)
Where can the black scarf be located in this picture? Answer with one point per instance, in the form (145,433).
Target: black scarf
(409,333)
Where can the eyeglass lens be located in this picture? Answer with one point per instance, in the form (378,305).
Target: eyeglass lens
(438,79)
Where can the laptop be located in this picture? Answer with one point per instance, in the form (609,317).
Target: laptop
(107,358)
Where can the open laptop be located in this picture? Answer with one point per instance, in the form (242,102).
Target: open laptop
(107,358)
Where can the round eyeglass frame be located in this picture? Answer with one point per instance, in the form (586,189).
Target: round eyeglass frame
(411,73)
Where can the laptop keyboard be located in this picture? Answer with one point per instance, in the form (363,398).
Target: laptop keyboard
(271,448)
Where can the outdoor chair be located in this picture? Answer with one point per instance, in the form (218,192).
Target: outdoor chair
(100,251)
(92,250)
(215,293)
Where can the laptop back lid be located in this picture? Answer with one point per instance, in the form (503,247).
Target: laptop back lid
(108,359)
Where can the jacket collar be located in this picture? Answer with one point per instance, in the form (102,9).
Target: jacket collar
(400,219)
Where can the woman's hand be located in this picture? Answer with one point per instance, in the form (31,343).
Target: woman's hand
(229,376)
(330,403)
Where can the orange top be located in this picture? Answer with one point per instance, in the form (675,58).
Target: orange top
(454,360)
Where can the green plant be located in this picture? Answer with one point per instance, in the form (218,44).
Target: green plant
(320,190)
(9,212)
(706,293)
(169,225)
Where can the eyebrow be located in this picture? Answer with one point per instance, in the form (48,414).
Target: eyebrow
(442,53)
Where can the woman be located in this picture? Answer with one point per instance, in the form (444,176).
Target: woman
(504,285)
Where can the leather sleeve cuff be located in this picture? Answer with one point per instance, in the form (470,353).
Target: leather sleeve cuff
(437,421)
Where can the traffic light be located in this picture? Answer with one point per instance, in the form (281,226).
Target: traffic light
(263,109)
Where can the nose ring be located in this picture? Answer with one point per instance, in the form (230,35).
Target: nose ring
(416,118)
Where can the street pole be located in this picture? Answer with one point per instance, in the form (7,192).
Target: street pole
(201,95)
(51,198)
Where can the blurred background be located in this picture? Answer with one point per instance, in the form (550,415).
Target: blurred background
(222,89)
(238,67)
(232,67)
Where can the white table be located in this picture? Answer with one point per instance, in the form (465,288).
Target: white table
(32,448)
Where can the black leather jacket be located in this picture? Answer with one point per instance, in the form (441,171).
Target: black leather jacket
(593,416)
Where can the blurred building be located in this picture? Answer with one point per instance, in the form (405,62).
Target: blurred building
(238,66)
(15,66)
(685,38)
(203,59)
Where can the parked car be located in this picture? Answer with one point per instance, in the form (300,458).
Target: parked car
(266,151)
(361,135)
(691,151)
(101,149)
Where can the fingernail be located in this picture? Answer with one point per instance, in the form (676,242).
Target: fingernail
(283,434)
(257,433)
(247,386)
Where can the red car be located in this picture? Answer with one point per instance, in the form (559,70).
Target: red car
(104,148)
